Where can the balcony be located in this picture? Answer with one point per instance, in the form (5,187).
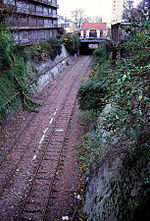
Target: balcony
(40,27)
(45,2)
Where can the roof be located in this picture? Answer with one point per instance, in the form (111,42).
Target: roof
(96,25)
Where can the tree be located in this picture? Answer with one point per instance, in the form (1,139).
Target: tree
(78,16)
(130,12)
(94,19)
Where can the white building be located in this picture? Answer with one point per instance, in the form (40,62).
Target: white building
(93,30)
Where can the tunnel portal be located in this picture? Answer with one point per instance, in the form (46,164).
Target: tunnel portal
(88,46)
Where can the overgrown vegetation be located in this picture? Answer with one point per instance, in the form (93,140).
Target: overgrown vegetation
(14,79)
(40,51)
(72,43)
(12,69)
(90,95)
(99,55)
(89,151)
(127,87)
(45,49)
(14,76)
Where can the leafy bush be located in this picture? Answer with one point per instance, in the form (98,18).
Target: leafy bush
(72,43)
(90,95)
(20,51)
(99,54)
(6,48)
(42,51)
(138,42)
(9,67)
(52,47)
(88,118)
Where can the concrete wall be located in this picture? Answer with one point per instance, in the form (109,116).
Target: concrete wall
(50,69)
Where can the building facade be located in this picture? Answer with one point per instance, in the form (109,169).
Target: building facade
(30,20)
(66,24)
(93,30)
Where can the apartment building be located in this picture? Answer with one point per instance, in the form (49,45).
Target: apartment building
(30,20)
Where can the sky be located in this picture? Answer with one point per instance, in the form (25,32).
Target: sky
(101,8)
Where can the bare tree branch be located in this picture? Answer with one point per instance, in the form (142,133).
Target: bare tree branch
(78,16)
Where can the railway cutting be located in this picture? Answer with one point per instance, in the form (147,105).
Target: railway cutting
(38,171)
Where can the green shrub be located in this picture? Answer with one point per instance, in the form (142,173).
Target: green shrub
(43,50)
(90,95)
(88,118)
(6,49)
(89,149)
(10,66)
(55,48)
(72,43)
(99,54)
(20,51)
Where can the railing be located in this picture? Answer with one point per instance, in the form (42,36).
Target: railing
(15,10)
(93,39)
(28,9)
(46,2)
(34,28)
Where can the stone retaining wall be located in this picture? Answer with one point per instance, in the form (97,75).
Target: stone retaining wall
(51,68)
(116,189)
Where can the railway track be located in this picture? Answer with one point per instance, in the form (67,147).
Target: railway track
(7,147)
(29,171)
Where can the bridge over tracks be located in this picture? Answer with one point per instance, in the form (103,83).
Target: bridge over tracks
(88,45)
